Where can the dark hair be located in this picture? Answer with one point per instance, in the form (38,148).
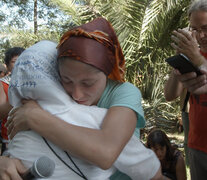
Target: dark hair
(158,137)
(12,52)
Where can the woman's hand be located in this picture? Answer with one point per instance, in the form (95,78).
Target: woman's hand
(19,118)
(10,169)
(193,83)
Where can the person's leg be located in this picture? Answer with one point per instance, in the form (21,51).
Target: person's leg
(198,165)
(185,120)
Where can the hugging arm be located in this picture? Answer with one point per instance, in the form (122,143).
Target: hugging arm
(99,147)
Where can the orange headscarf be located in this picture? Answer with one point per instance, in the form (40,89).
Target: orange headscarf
(96,44)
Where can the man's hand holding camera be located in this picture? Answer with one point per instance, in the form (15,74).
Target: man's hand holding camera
(185,42)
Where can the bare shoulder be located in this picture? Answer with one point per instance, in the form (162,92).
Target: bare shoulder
(180,167)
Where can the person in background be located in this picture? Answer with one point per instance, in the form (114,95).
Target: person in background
(91,67)
(194,46)
(172,161)
(11,56)
(3,70)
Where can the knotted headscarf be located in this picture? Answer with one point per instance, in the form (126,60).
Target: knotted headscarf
(96,44)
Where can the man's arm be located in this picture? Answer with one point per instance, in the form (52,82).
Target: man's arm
(173,87)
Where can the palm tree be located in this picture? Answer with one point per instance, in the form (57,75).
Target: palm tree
(144,28)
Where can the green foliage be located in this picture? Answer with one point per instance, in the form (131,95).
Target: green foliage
(18,13)
(143,27)
(25,38)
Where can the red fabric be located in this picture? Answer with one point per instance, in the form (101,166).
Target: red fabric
(204,54)
(197,138)
(96,44)
(3,128)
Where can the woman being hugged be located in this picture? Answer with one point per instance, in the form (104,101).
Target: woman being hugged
(91,68)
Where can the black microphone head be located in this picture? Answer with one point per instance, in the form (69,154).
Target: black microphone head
(43,167)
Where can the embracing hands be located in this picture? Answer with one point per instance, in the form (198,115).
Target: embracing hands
(19,118)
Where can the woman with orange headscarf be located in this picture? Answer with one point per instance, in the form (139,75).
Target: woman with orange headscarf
(91,67)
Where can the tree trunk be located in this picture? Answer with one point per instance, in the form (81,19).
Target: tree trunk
(35,16)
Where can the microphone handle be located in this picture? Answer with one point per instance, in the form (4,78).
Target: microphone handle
(28,175)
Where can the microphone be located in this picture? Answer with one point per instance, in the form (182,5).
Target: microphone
(41,168)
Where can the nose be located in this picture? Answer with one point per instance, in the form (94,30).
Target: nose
(77,93)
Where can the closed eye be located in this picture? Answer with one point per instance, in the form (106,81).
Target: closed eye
(66,80)
(88,84)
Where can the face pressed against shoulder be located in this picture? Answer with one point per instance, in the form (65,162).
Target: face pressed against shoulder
(93,55)
(11,63)
(83,82)
(198,24)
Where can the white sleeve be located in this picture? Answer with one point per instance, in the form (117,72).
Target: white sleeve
(137,161)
